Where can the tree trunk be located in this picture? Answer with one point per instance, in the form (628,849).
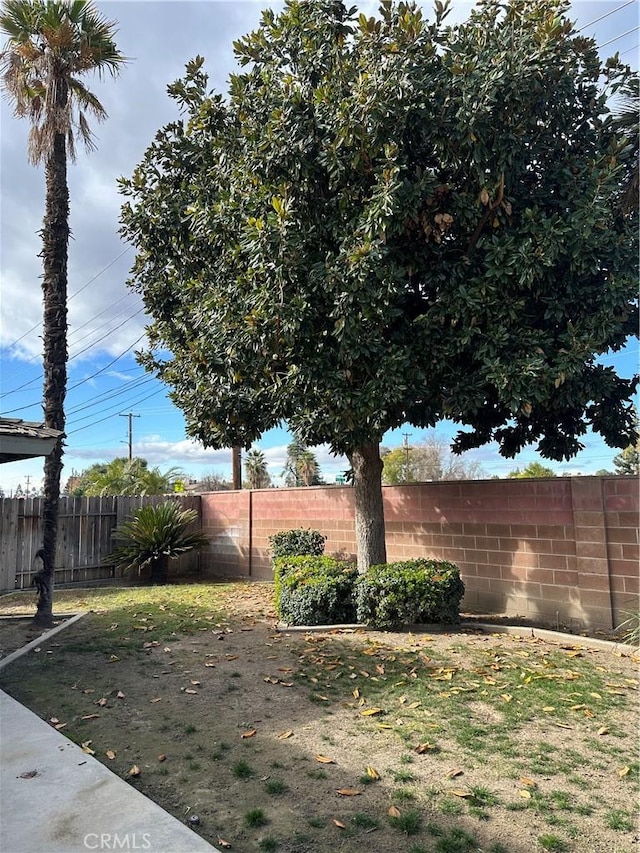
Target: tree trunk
(55,238)
(159,571)
(236,467)
(367,481)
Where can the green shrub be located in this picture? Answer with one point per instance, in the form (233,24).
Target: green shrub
(393,595)
(314,590)
(153,535)
(297,543)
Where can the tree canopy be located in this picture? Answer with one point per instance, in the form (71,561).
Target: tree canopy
(124,476)
(533,469)
(386,221)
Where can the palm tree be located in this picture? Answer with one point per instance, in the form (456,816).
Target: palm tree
(308,468)
(255,466)
(49,46)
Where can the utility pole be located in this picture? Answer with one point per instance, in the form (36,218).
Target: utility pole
(131,416)
(28,481)
(406,456)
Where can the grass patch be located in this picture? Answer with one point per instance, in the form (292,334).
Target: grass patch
(275,787)
(409,822)
(553,843)
(242,770)
(255,818)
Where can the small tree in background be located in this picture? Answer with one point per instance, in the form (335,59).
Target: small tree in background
(533,469)
(255,470)
(124,476)
(428,460)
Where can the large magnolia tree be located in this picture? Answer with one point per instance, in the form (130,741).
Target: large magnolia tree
(50,46)
(389,221)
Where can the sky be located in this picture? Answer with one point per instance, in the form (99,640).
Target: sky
(106,320)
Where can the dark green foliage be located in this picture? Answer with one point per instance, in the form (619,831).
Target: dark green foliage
(297,543)
(394,595)
(154,535)
(314,590)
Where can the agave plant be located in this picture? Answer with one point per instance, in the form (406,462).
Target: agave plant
(153,536)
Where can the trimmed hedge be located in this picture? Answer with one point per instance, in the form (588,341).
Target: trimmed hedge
(393,595)
(297,543)
(314,590)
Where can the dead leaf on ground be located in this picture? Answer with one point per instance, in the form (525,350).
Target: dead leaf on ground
(111,754)
(90,717)
(339,824)
(223,843)
(372,773)
(86,747)
(250,733)
(119,695)
(424,747)
(460,792)
(162,757)
(285,735)
(190,691)
(324,759)
(526,795)
(102,702)
(371,712)
(134,771)
(394,812)
(451,774)
(348,792)
(603,730)
(524,780)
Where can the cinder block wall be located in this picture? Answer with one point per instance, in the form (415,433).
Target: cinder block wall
(564,550)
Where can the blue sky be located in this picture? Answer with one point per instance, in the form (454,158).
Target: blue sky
(106,320)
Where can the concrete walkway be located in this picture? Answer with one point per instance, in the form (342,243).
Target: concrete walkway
(54,798)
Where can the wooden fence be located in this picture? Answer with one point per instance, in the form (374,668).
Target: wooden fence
(84,540)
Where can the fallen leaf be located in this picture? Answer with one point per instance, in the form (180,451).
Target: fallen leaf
(119,695)
(162,757)
(414,705)
(424,747)
(134,771)
(548,709)
(563,726)
(339,824)
(102,702)
(451,774)
(86,747)
(526,795)
(250,733)
(54,720)
(223,843)
(323,759)
(110,753)
(460,792)
(60,726)
(393,812)
(372,773)
(624,771)
(285,735)
(197,683)
(29,774)
(157,699)
(190,691)
(371,712)
(356,693)
(524,780)
(90,717)
(348,792)
(603,730)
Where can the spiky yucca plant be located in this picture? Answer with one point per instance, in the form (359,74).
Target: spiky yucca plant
(153,536)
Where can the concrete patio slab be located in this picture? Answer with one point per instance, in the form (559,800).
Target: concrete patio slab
(54,798)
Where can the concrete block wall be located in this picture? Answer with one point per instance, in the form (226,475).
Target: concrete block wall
(564,550)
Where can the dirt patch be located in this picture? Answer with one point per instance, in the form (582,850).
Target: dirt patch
(16,632)
(348,740)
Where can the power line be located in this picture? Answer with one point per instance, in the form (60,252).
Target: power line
(108,417)
(73,295)
(602,17)
(622,35)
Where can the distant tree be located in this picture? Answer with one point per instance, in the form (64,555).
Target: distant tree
(301,466)
(429,459)
(628,462)
(212,482)
(387,220)
(603,472)
(255,469)
(125,477)
(533,469)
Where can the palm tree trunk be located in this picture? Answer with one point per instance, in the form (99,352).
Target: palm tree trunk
(55,238)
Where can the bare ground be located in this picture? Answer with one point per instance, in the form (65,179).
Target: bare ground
(350,741)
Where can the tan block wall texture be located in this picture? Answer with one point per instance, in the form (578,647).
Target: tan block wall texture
(562,550)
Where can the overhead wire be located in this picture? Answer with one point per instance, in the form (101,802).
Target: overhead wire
(606,15)
(616,38)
